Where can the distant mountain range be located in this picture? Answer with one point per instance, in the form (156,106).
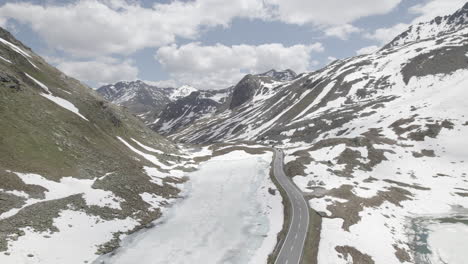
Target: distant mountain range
(167,109)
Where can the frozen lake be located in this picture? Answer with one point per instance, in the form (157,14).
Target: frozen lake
(228,216)
(441,239)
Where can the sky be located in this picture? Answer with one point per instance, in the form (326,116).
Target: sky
(208,44)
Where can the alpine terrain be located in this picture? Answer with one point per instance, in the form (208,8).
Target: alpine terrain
(363,161)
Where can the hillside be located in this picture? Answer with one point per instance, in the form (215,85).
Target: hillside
(78,173)
(376,145)
(374,141)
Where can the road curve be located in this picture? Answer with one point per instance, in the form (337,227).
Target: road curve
(293,245)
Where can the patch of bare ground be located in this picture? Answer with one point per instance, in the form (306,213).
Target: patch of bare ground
(352,159)
(356,255)
(402,254)
(349,210)
(419,132)
(312,242)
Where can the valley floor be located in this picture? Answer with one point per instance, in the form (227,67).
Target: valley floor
(230,214)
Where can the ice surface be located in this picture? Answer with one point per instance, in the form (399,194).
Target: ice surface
(447,243)
(228,217)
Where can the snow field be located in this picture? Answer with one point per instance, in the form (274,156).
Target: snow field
(228,217)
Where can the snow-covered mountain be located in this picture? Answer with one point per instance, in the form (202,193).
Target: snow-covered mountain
(206,103)
(375,141)
(436,27)
(144,100)
(186,110)
(168,109)
(286,75)
(182,91)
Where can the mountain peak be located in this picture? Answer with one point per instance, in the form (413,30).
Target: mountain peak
(182,91)
(435,27)
(285,75)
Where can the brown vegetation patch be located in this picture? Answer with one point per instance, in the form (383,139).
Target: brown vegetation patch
(402,254)
(356,255)
(349,210)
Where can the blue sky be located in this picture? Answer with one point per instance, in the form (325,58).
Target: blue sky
(209,44)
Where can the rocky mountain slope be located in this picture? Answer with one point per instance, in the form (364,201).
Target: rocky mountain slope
(166,110)
(376,142)
(286,75)
(142,99)
(77,173)
(434,28)
(186,110)
(206,103)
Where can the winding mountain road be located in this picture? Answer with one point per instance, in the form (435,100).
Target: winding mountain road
(293,245)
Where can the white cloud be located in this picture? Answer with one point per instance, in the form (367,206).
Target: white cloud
(367,50)
(89,28)
(385,35)
(330,12)
(163,83)
(219,66)
(92,27)
(104,70)
(434,8)
(342,31)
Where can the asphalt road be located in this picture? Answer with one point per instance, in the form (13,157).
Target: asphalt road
(291,251)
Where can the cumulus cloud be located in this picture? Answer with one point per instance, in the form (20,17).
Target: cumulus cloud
(385,35)
(367,50)
(103,27)
(163,83)
(433,8)
(101,71)
(330,12)
(219,66)
(92,27)
(342,31)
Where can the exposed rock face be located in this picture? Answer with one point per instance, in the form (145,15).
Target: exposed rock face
(140,98)
(184,111)
(244,91)
(286,75)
